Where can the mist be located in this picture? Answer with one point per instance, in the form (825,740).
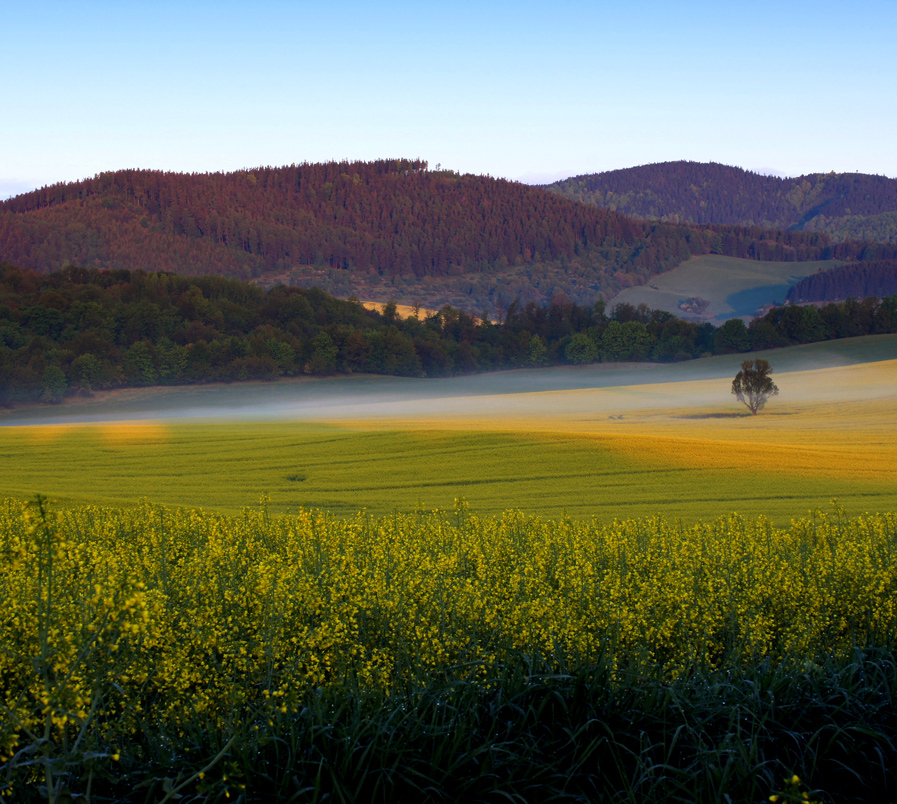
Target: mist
(616,390)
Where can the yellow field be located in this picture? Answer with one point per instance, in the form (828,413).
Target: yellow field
(836,422)
(404,310)
(142,622)
(218,609)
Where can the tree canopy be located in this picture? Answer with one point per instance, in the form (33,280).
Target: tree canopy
(79,330)
(753,385)
(846,206)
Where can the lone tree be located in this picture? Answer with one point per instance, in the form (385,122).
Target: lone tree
(753,385)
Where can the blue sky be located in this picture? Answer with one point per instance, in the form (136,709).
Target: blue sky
(524,90)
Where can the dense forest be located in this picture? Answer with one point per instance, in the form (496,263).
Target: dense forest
(848,206)
(857,280)
(378,230)
(391,216)
(78,330)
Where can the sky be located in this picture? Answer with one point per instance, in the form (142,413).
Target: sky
(530,90)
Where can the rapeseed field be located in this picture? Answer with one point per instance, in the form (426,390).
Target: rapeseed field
(121,621)
(382,628)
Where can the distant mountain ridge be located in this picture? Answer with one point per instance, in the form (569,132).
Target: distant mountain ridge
(378,230)
(846,206)
(392,215)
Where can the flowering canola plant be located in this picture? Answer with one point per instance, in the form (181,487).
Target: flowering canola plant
(113,618)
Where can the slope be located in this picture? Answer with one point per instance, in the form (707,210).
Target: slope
(715,288)
(596,441)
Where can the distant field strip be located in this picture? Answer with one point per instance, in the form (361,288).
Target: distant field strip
(733,286)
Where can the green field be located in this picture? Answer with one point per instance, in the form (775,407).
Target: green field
(733,286)
(581,444)
(225,467)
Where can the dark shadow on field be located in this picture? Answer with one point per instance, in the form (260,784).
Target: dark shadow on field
(714,416)
(747,302)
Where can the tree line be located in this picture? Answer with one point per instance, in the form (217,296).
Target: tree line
(78,330)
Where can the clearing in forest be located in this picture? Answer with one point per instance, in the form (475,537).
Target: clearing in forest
(731,286)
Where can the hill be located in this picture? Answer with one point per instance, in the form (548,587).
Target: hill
(844,205)
(378,230)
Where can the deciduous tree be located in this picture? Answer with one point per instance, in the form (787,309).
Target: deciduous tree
(753,385)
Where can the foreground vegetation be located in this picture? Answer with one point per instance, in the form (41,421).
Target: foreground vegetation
(150,652)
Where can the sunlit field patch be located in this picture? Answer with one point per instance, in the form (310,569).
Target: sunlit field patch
(403,310)
(746,458)
(125,433)
(48,433)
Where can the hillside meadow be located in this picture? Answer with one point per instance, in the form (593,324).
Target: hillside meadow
(734,287)
(627,446)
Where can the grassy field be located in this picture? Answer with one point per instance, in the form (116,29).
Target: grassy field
(733,286)
(677,447)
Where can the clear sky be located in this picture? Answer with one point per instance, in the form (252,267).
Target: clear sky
(530,90)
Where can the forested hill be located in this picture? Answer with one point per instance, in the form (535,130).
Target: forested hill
(857,280)
(386,229)
(392,216)
(845,205)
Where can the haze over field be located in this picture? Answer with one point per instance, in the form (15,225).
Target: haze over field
(604,441)
(470,397)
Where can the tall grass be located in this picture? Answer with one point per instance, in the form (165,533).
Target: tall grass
(149,654)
